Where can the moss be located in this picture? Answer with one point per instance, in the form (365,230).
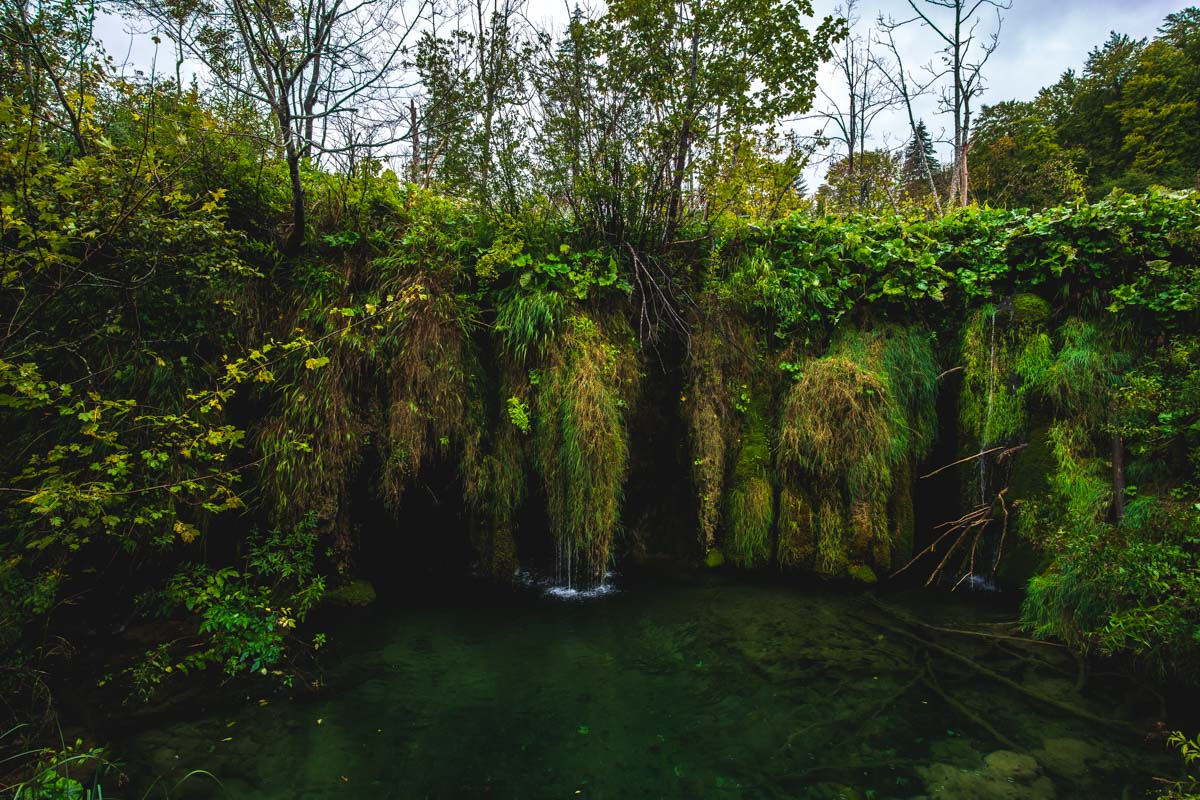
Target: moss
(1006,356)
(797,541)
(495,484)
(869,539)
(1029,309)
(861,573)
(355,594)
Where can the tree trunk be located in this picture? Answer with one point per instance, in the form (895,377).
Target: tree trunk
(295,239)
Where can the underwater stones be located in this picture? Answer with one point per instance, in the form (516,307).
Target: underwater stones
(1013,766)
(1005,775)
(357,593)
(1068,757)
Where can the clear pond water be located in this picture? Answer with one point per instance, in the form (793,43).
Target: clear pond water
(707,687)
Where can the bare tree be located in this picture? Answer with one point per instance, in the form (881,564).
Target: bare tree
(964,53)
(907,90)
(306,61)
(868,93)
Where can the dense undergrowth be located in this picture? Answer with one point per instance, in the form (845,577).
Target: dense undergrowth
(188,413)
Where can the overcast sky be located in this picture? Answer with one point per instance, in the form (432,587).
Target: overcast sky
(1038,42)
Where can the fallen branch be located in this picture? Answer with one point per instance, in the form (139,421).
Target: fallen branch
(1010,683)
(932,682)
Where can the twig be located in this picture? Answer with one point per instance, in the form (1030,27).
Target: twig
(980,454)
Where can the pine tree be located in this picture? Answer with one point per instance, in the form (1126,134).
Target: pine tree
(921,166)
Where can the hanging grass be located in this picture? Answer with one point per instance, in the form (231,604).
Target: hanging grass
(1081,376)
(832,549)
(323,408)
(869,533)
(527,320)
(496,483)
(750,506)
(721,370)
(585,384)
(901,516)
(797,538)
(433,405)
(851,427)
(398,374)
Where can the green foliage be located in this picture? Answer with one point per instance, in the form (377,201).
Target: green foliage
(1123,584)
(60,774)
(245,617)
(1189,787)
(805,274)
(518,413)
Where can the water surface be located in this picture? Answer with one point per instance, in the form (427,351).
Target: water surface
(705,687)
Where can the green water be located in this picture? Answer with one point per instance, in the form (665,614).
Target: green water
(717,687)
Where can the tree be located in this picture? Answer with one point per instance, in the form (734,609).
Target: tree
(907,90)
(1018,161)
(50,63)
(873,185)
(868,93)
(919,166)
(474,114)
(308,62)
(964,55)
(1159,106)
(1093,125)
(652,89)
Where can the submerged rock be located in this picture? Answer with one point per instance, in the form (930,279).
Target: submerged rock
(1012,766)
(1005,775)
(1068,757)
(714,558)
